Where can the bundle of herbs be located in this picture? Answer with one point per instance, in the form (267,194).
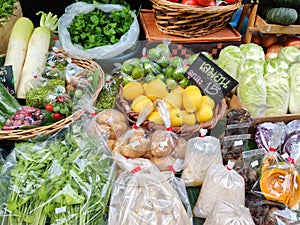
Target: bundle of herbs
(6,10)
(64,179)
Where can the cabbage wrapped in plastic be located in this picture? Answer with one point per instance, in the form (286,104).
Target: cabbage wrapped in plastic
(252,91)
(294,78)
(289,53)
(252,51)
(278,91)
(230,60)
(273,65)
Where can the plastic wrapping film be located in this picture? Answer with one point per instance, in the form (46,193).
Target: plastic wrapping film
(65,178)
(101,52)
(142,195)
(202,152)
(220,183)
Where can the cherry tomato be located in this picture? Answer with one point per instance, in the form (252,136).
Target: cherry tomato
(49,107)
(189,2)
(56,116)
(230,1)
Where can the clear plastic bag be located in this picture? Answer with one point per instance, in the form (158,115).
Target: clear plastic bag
(101,52)
(229,213)
(280,183)
(202,152)
(142,195)
(220,183)
(167,149)
(65,178)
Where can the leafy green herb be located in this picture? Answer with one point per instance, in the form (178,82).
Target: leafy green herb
(107,96)
(98,28)
(6,9)
(35,97)
(66,179)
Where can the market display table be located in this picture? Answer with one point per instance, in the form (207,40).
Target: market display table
(212,43)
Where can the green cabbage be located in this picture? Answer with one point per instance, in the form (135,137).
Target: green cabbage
(275,65)
(230,60)
(289,53)
(294,78)
(278,92)
(252,51)
(258,65)
(252,92)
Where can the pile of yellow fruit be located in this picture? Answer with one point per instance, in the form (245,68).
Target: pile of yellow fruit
(187,106)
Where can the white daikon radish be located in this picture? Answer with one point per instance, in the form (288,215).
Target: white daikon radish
(17,47)
(37,52)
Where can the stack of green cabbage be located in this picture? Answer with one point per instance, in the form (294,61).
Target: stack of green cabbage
(267,87)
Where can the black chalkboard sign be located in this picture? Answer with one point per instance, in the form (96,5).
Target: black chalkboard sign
(6,78)
(210,78)
(250,1)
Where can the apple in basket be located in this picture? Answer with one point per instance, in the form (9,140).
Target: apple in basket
(206,2)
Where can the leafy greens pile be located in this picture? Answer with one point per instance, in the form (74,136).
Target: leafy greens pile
(66,179)
(98,28)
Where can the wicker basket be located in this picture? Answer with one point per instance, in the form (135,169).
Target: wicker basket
(191,21)
(25,134)
(184,131)
(5,28)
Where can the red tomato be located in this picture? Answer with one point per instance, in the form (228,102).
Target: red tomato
(206,2)
(230,1)
(173,0)
(49,107)
(189,2)
(56,116)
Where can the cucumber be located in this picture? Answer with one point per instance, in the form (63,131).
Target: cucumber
(282,16)
(8,104)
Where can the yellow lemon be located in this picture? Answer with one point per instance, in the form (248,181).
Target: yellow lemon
(132,90)
(188,118)
(140,103)
(174,100)
(191,99)
(155,117)
(208,100)
(192,88)
(176,117)
(204,113)
(156,89)
(179,90)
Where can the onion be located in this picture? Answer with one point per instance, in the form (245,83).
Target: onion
(256,38)
(268,40)
(293,41)
(274,48)
(271,55)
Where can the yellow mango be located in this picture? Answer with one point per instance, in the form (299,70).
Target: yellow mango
(174,100)
(140,102)
(155,117)
(188,118)
(191,98)
(204,113)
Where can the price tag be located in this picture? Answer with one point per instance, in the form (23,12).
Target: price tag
(210,78)
(250,2)
(6,78)
(60,210)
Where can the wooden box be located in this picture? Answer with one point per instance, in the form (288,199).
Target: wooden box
(212,43)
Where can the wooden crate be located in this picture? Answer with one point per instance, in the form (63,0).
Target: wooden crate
(212,43)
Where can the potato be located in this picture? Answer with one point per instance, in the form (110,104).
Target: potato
(111,116)
(163,163)
(180,148)
(162,143)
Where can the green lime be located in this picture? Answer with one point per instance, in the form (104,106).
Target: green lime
(163,49)
(149,77)
(156,67)
(169,71)
(164,61)
(176,61)
(178,73)
(127,68)
(126,79)
(184,82)
(171,83)
(153,54)
(161,76)
(137,72)
(148,67)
